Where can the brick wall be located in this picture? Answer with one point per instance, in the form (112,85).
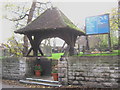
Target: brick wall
(90,71)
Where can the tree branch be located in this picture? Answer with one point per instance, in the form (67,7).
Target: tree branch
(17,19)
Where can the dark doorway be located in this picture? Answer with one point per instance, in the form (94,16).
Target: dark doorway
(46,65)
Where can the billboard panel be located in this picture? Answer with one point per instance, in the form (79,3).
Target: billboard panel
(97,24)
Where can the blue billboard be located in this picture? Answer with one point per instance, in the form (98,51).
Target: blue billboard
(97,24)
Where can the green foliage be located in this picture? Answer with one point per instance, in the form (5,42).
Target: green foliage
(114,27)
(54,71)
(38,67)
(2,57)
(114,19)
(15,48)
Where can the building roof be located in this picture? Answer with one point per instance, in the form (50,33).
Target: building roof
(51,19)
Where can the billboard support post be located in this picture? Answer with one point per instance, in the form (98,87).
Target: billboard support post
(109,38)
(87,43)
(109,42)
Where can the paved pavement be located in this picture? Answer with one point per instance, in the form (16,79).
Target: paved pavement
(3,85)
(11,86)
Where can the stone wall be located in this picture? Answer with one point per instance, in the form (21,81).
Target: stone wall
(90,71)
(17,68)
(20,68)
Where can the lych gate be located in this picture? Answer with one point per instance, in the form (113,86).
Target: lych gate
(51,23)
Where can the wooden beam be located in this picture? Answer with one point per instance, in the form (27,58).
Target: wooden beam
(34,43)
(40,51)
(30,39)
(29,51)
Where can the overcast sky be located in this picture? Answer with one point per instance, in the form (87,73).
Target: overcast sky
(74,10)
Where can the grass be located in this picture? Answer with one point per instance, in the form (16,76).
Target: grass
(113,53)
(58,55)
(55,56)
(99,54)
(116,51)
(1,57)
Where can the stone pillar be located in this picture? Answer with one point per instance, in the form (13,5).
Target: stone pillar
(62,71)
(30,63)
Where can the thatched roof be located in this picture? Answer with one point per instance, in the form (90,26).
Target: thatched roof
(51,19)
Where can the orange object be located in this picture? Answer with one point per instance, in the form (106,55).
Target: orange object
(55,76)
(37,73)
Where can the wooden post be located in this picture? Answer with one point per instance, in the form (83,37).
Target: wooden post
(34,43)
